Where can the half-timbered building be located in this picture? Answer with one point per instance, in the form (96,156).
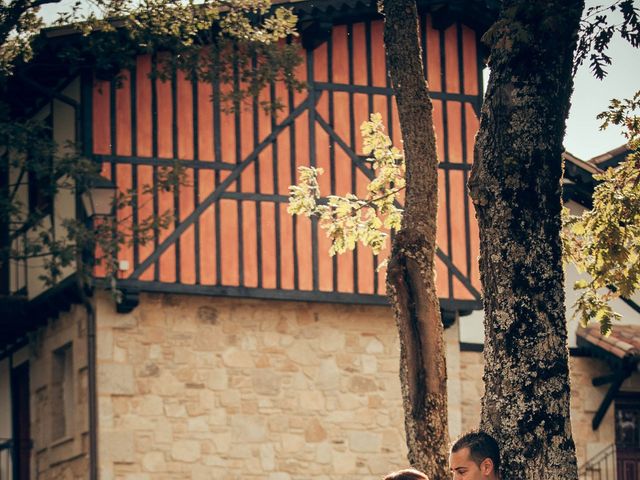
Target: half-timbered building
(240,348)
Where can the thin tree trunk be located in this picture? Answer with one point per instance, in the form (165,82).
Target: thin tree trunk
(516,188)
(410,275)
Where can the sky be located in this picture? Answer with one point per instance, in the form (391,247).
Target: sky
(591,96)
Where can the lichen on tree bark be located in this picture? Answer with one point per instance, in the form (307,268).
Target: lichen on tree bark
(410,274)
(516,188)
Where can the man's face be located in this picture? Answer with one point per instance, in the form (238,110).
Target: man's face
(463,467)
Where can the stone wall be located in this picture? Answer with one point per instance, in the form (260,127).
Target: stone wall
(61,457)
(202,388)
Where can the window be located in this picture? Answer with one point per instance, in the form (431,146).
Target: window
(62,392)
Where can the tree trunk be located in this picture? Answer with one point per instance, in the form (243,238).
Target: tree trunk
(411,275)
(516,188)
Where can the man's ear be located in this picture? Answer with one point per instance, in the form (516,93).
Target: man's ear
(486,467)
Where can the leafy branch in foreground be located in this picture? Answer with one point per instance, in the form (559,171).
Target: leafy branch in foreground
(598,26)
(604,242)
(242,45)
(348,219)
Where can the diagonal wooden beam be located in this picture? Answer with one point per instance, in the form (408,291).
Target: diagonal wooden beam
(217,193)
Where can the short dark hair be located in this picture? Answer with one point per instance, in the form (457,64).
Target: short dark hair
(407,474)
(481,445)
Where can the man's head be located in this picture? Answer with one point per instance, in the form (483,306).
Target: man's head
(475,456)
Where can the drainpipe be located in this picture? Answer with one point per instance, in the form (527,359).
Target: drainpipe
(83,292)
(92,386)
(83,134)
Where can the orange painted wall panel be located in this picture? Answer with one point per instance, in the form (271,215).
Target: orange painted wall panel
(184,94)
(472,124)
(359,49)
(470,60)
(268,231)
(452,71)
(287,258)
(125,215)
(250,244)
(229,242)
(442,279)
(434,75)
(123,116)
(265,159)
(438,125)
(365,255)
(303,250)
(167,265)
(454,131)
(340,65)
(457,199)
(378,62)
(284,170)
(227,133)
(165,119)
(205,122)
(207,231)
(145,211)
(187,239)
(144,128)
(361,114)
(101,118)
(246,130)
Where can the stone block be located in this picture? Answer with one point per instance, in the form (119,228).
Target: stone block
(361,384)
(374,346)
(328,375)
(110,318)
(230,399)
(166,385)
(344,463)
(221,441)
(118,446)
(365,442)
(324,454)
(217,417)
(314,432)
(369,364)
(217,379)
(292,443)
(115,379)
(301,354)
(233,357)
(279,476)
(332,341)
(265,382)
(154,462)
(175,410)
(267,457)
(185,450)
(198,424)
(378,466)
(149,405)
(104,341)
(311,400)
(248,428)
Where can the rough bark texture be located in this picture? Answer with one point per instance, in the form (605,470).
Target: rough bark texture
(516,188)
(411,275)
